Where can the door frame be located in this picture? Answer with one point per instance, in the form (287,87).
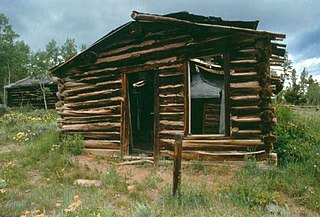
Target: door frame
(125,128)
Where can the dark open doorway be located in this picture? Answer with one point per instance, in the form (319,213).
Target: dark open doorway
(141,99)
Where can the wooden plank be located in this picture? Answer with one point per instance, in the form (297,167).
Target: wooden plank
(109,144)
(177,164)
(218,156)
(186,98)
(123,128)
(231,142)
(156,123)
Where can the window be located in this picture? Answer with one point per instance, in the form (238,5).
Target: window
(206,95)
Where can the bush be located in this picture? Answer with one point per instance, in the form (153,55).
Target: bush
(297,143)
(72,144)
(4,109)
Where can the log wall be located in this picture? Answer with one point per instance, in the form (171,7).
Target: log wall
(92,92)
(31,96)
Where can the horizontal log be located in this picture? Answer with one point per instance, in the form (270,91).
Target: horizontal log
(189,24)
(231,142)
(90,87)
(248,61)
(93,95)
(139,53)
(171,107)
(91,120)
(91,117)
(114,101)
(94,126)
(217,156)
(101,135)
(110,144)
(144,45)
(92,112)
(172,116)
(245,119)
(245,97)
(248,85)
(172,123)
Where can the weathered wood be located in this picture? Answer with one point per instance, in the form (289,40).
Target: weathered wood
(267,116)
(114,101)
(92,126)
(155,18)
(109,144)
(177,164)
(124,129)
(218,156)
(227,85)
(156,123)
(245,119)
(186,98)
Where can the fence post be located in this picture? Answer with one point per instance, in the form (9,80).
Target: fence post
(177,164)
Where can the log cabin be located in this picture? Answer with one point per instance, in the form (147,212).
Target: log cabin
(32,92)
(209,79)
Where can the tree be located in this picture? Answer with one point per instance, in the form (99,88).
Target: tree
(83,47)
(53,53)
(313,94)
(293,77)
(68,49)
(294,94)
(304,80)
(14,54)
(287,66)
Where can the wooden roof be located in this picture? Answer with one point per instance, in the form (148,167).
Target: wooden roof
(183,19)
(30,81)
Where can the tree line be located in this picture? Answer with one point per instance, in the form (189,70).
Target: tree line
(18,61)
(300,90)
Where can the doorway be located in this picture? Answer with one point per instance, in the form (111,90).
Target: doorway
(141,112)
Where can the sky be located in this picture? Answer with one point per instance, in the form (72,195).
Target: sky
(39,21)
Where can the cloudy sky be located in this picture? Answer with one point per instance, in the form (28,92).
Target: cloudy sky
(39,21)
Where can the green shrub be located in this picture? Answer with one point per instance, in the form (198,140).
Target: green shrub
(72,144)
(4,109)
(254,187)
(297,142)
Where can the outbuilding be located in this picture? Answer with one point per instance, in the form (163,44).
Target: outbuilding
(34,92)
(209,79)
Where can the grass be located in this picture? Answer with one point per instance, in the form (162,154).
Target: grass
(37,175)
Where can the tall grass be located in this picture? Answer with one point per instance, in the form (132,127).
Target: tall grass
(298,176)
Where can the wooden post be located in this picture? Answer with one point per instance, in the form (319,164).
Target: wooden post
(186,98)
(227,105)
(124,119)
(177,164)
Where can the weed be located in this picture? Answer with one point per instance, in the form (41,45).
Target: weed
(4,109)
(141,209)
(113,180)
(72,144)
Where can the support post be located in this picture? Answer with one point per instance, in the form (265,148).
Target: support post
(156,116)
(226,69)
(177,164)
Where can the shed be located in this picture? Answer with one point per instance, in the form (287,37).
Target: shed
(30,91)
(209,79)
